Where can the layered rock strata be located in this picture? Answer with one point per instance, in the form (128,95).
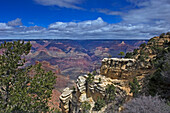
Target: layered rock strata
(116,71)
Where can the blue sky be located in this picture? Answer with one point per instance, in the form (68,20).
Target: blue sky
(83,19)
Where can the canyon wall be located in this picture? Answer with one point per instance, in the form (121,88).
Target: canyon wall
(116,71)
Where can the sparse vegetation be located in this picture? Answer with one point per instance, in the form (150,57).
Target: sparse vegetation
(143,45)
(146,104)
(94,72)
(100,80)
(121,54)
(85,107)
(135,52)
(90,78)
(129,55)
(99,104)
(134,87)
(161,36)
(110,93)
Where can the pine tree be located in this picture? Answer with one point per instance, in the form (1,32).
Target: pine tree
(22,89)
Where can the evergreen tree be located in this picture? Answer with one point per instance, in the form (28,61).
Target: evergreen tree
(22,89)
(135,87)
(99,104)
(110,93)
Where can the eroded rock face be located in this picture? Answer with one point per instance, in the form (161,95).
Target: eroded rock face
(71,102)
(65,98)
(116,71)
(117,68)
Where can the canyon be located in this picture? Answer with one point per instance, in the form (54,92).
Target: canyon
(114,71)
(69,59)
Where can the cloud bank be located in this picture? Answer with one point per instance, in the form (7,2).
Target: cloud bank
(91,29)
(144,20)
(148,11)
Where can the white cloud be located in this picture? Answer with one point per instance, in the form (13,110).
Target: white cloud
(109,12)
(16,22)
(90,29)
(61,3)
(143,12)
(4,26)
(149,12)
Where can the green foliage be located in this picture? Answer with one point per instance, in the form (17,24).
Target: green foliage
(94,72)
(159,81)
(100,80)
(85,107)
(110,93)
(99,104)
(129,55)
(142,52)
(161,36)
(134,87)
(143,45)
(57,111)
(121,54)
(22,89)
(154,82)
(151,40)
(135,52)
(141,58)
(90,78)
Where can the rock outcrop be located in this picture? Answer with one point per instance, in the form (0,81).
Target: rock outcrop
(116,68)
(65,98)
(116,71)
(71,101)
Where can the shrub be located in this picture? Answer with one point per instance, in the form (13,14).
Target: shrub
(168,33)
(141,58)
(135,51)
(110,93)
(90,78)
(94,72)
(121,54)
(129,55)
(161,36)
(100,80)
(143,45)
(146,104)
(166,69)
(85,107)
(99,104)
(134,87)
